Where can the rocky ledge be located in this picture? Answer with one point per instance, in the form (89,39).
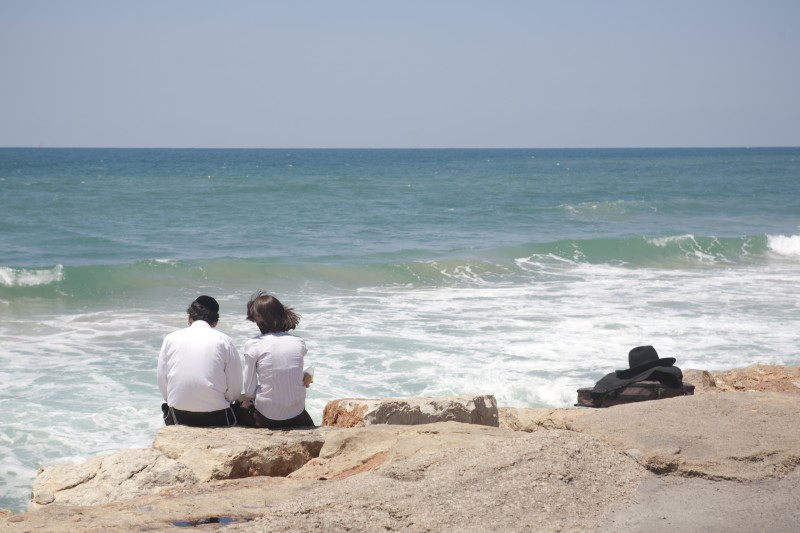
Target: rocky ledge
(459,464)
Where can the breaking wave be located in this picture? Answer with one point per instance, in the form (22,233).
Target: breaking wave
(511,264)
(30,277)
(783,245)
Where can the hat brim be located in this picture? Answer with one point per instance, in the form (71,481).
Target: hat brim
(631,372)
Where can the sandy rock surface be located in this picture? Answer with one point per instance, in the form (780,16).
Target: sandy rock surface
(702,380)
(122,475)
(534,419)
(360,412)
(725,436)
(754,378)
(546,481)
(177,506)
(770,378)
(353,451)
(666,504)
(720,436)
(543,481)
(691,460)
(229,453)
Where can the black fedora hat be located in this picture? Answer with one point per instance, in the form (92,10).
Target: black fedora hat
(642,359)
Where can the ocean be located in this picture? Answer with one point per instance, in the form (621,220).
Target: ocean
(520,273)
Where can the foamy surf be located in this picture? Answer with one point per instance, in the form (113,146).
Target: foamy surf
(788,246)
(29,277)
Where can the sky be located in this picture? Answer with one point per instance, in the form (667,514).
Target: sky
(403,74)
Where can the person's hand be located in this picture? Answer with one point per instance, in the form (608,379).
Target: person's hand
(308,379)
(246,401)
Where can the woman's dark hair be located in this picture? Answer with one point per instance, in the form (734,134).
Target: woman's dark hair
(270,315)
(198,312)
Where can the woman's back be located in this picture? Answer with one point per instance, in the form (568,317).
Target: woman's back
(275,361)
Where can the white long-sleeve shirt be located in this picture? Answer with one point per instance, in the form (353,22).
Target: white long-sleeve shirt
(275,362)
(199,369)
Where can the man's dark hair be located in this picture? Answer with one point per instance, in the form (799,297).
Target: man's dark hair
(199,312)
(270,315)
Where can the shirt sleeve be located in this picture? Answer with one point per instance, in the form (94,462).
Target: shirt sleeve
(162,370)
(250,373)
(233,374)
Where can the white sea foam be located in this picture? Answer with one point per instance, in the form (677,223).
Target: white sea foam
(542,262)
(784,245)
(691,248)
(537,343)
(663,242)
(22,277)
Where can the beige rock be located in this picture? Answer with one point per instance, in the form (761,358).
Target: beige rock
(488,479)
(448,476)
(718,436)
(229,453)
(771,378)
(703,381)
(667,504)
(767,378)
(543,481)
(122,475)
(347,452)
(533,419)
(359,412)
(242,499)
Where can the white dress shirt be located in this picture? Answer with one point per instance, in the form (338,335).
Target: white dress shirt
(199,369)
(273,372)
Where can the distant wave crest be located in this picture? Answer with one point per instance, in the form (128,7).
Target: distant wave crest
(673,251)
(30,277)
(506,265)
(608,208)
(704,249)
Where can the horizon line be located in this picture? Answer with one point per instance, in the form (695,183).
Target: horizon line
(730,147)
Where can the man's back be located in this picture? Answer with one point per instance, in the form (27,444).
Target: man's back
(199,369)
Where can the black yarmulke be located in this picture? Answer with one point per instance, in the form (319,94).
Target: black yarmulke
(208,302)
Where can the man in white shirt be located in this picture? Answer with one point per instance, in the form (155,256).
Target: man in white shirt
(199,371)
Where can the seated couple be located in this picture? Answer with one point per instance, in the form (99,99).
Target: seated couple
(200,375)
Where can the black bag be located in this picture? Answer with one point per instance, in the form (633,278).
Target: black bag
(640,391)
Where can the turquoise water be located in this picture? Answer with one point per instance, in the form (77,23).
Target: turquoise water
(521,273)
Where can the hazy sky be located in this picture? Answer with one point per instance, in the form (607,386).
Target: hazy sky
(399,74)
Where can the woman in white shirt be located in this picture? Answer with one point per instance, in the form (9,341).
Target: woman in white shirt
(274,380)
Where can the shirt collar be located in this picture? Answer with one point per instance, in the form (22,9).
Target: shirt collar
(201,324)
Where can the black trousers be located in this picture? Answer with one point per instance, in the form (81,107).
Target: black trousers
(251,417)
(221,418)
